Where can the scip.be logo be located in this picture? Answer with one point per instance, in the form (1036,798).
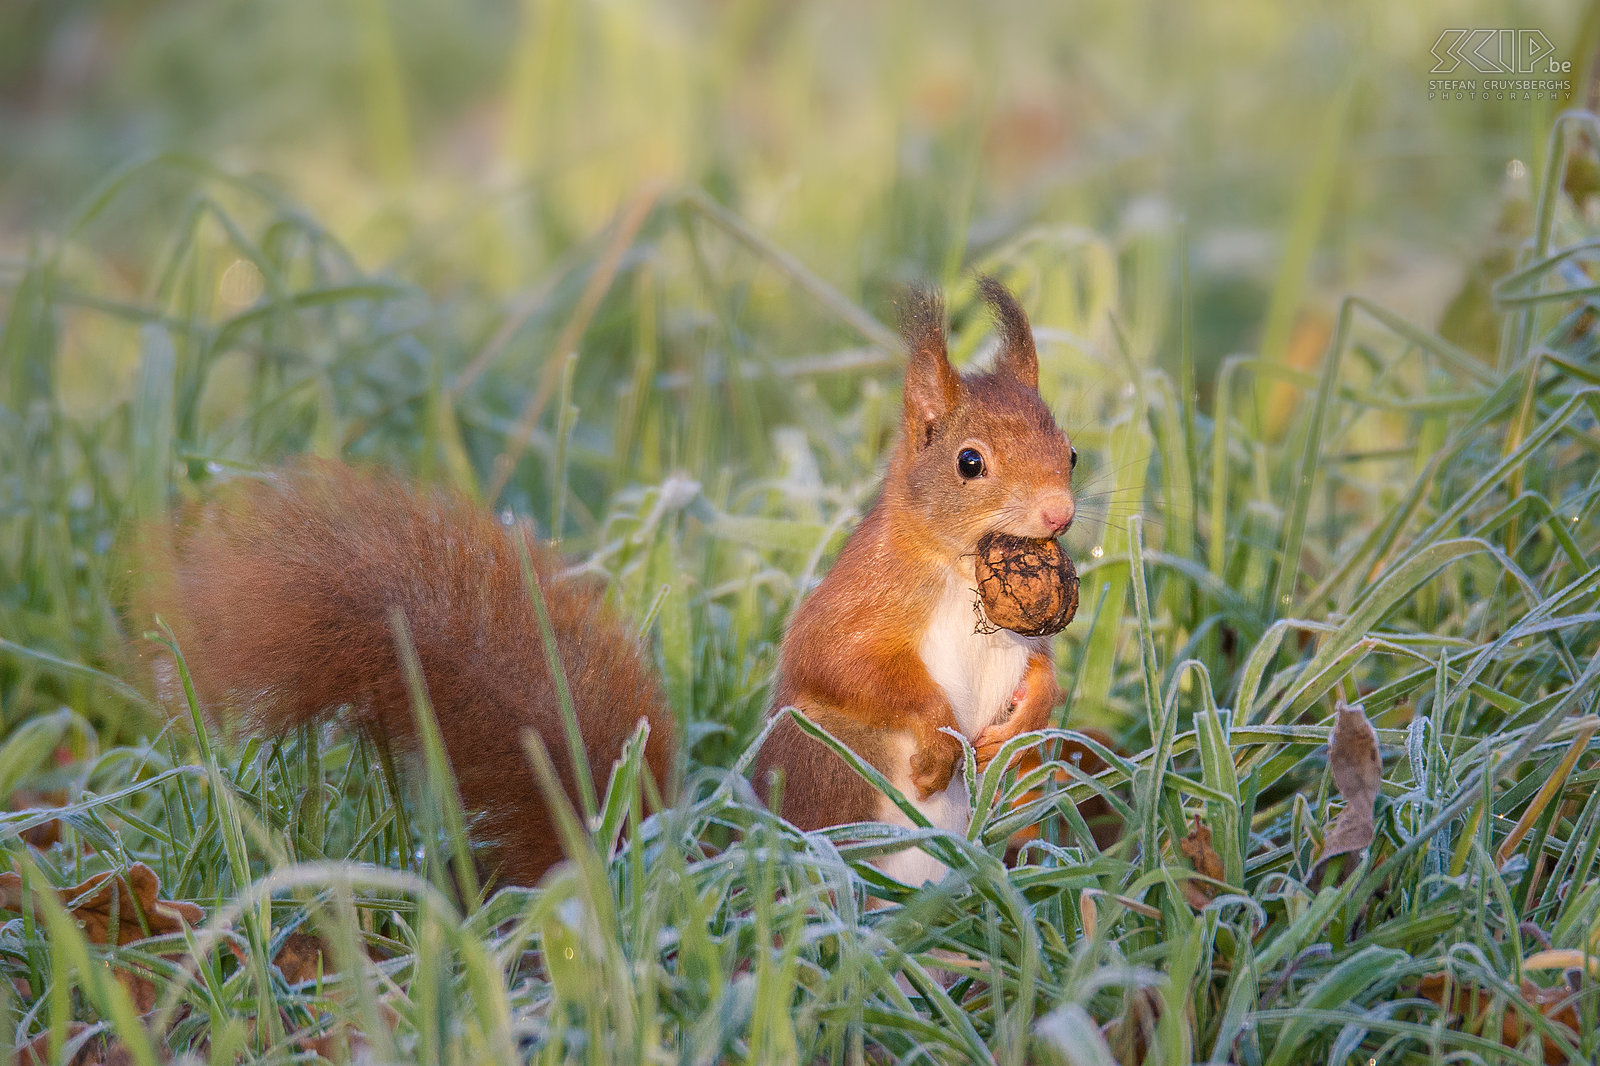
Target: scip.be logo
(1497,52)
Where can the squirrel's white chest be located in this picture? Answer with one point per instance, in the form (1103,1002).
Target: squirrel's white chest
(978,671)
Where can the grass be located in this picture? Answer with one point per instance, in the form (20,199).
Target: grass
(1399,521)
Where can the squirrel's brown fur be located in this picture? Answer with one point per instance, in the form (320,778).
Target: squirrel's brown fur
(281,596)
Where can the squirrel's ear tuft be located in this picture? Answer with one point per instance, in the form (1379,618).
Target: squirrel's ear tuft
(1017,357)
(932,385)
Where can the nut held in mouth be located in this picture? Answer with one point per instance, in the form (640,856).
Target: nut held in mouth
(1028,586)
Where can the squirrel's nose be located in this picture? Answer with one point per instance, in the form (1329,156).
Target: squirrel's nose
(1055,513)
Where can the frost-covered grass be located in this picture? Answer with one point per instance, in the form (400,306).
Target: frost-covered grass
(1395,521)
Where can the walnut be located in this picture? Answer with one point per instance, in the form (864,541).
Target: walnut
(1026,586)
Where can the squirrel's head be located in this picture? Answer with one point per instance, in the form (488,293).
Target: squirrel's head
(980,452)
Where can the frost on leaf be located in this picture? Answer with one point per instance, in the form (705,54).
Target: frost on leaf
(114,908)
(127,905)
(1358,772)
(1197,848)
(1473,1007)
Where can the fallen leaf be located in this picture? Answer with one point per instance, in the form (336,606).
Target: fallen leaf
(45,834)
(127,905)
(130,901)
(1472,1004)
(1358,772)
(302,957)
(96,1051)
(1131,1034)
(343,1043)
(1197,848)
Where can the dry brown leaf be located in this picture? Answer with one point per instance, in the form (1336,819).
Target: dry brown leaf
(343,1043)
(1131,1034)
(1358,772)
(1472,1005)
(97,1051)
(1197,848)
(131,900)
(302,957)
(45,834)
(141,990)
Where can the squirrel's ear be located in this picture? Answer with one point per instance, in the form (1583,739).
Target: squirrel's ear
(1017,357)
(932,384)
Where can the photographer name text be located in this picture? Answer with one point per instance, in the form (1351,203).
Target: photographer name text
(1500,89)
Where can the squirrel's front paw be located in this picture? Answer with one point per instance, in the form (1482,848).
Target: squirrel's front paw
(934,763)
(988,743)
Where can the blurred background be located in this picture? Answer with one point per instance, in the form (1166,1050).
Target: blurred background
(467,147)
(558,253)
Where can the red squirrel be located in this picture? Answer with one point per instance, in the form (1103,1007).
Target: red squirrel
(281,596)
(886,652)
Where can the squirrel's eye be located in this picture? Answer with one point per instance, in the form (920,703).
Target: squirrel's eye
(1074,452)
(969,463)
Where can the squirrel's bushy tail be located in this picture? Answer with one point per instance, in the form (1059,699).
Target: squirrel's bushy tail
(281,596)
